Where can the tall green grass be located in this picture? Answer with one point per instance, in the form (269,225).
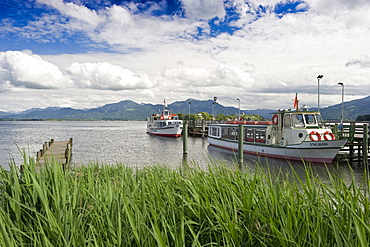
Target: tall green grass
(104,205)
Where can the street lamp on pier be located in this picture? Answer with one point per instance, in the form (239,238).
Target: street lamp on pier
(239,108)
(214,106)
(342,115)
(319,77)
(189,110)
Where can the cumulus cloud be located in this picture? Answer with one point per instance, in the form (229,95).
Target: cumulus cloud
(222,75)
(79,12)
(105,76)
(204,9)
(363,62)
(24,69)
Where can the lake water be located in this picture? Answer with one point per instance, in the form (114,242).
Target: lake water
(126,142)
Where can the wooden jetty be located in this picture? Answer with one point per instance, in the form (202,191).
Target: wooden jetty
(357,146)
(60,152)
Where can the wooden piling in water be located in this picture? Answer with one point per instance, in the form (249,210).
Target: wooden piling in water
(185,142)
(240,145)
(365,144)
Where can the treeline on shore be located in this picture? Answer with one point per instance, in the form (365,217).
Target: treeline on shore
(219,117)
(363,118)
(118,205)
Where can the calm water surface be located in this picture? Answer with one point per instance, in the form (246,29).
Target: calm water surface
(126,142)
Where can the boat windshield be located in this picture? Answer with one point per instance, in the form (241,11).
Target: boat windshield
(305,120)
(297,120)
(319,120)
(310,119)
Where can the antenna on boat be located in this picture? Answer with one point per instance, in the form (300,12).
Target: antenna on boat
(296,102)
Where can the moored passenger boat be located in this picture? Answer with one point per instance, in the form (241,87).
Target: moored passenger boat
(164,123)
(292,135)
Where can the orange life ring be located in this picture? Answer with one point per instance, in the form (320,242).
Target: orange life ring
(315,136)
(329,136)
(275,119)
(169,118)
(161,118)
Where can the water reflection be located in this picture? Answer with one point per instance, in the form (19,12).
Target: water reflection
(292,169)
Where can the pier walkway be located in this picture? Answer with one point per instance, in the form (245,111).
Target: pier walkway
(60,152)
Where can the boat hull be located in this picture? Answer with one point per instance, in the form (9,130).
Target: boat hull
(168,131)
(316,152)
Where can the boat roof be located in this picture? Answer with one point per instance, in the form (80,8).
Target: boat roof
(281,111)
(236,125)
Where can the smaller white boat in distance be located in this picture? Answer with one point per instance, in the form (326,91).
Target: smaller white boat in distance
(292,135)
(164,123)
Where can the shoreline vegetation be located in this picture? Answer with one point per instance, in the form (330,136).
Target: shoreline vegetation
(117,205)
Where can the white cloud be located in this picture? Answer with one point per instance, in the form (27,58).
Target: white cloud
(105,76)
(79,12)
(222,75)
(204,9)
(23,69)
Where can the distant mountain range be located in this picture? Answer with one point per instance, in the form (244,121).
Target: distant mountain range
(129,110)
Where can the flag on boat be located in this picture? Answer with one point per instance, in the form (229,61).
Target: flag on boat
(296,102)
(340,127)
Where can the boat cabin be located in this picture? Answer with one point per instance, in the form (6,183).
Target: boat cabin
(287,127)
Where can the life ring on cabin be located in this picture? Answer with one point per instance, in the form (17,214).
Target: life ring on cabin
(161,118)
(315,136)
(329,136)
(275,119)
(169,117)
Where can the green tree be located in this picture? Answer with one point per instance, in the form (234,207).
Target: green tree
(363,118)
(251,117)
(206,116)
(221,117)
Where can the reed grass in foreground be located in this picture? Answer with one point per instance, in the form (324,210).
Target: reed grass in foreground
(98,205)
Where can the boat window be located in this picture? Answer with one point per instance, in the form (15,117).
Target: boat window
(261,135)
(297,120)
(310,119)
(249,135)
(214,131)
(224,132)
(287,121)
(233,133)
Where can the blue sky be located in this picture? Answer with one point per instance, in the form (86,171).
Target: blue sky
(87,53)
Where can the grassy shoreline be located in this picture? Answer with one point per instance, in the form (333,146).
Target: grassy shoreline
(101,205)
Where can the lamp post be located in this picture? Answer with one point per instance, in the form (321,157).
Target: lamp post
(319,77)
(189,109)
(342,116)
(214,106)
(239,108)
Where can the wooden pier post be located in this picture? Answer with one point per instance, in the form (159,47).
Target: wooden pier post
(203,128)
(240,145)
(185,142)
(365,144)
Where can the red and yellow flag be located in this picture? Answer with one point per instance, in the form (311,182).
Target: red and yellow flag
(296,102)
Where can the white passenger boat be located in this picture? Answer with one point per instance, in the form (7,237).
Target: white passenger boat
(164,123)
(291,135)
